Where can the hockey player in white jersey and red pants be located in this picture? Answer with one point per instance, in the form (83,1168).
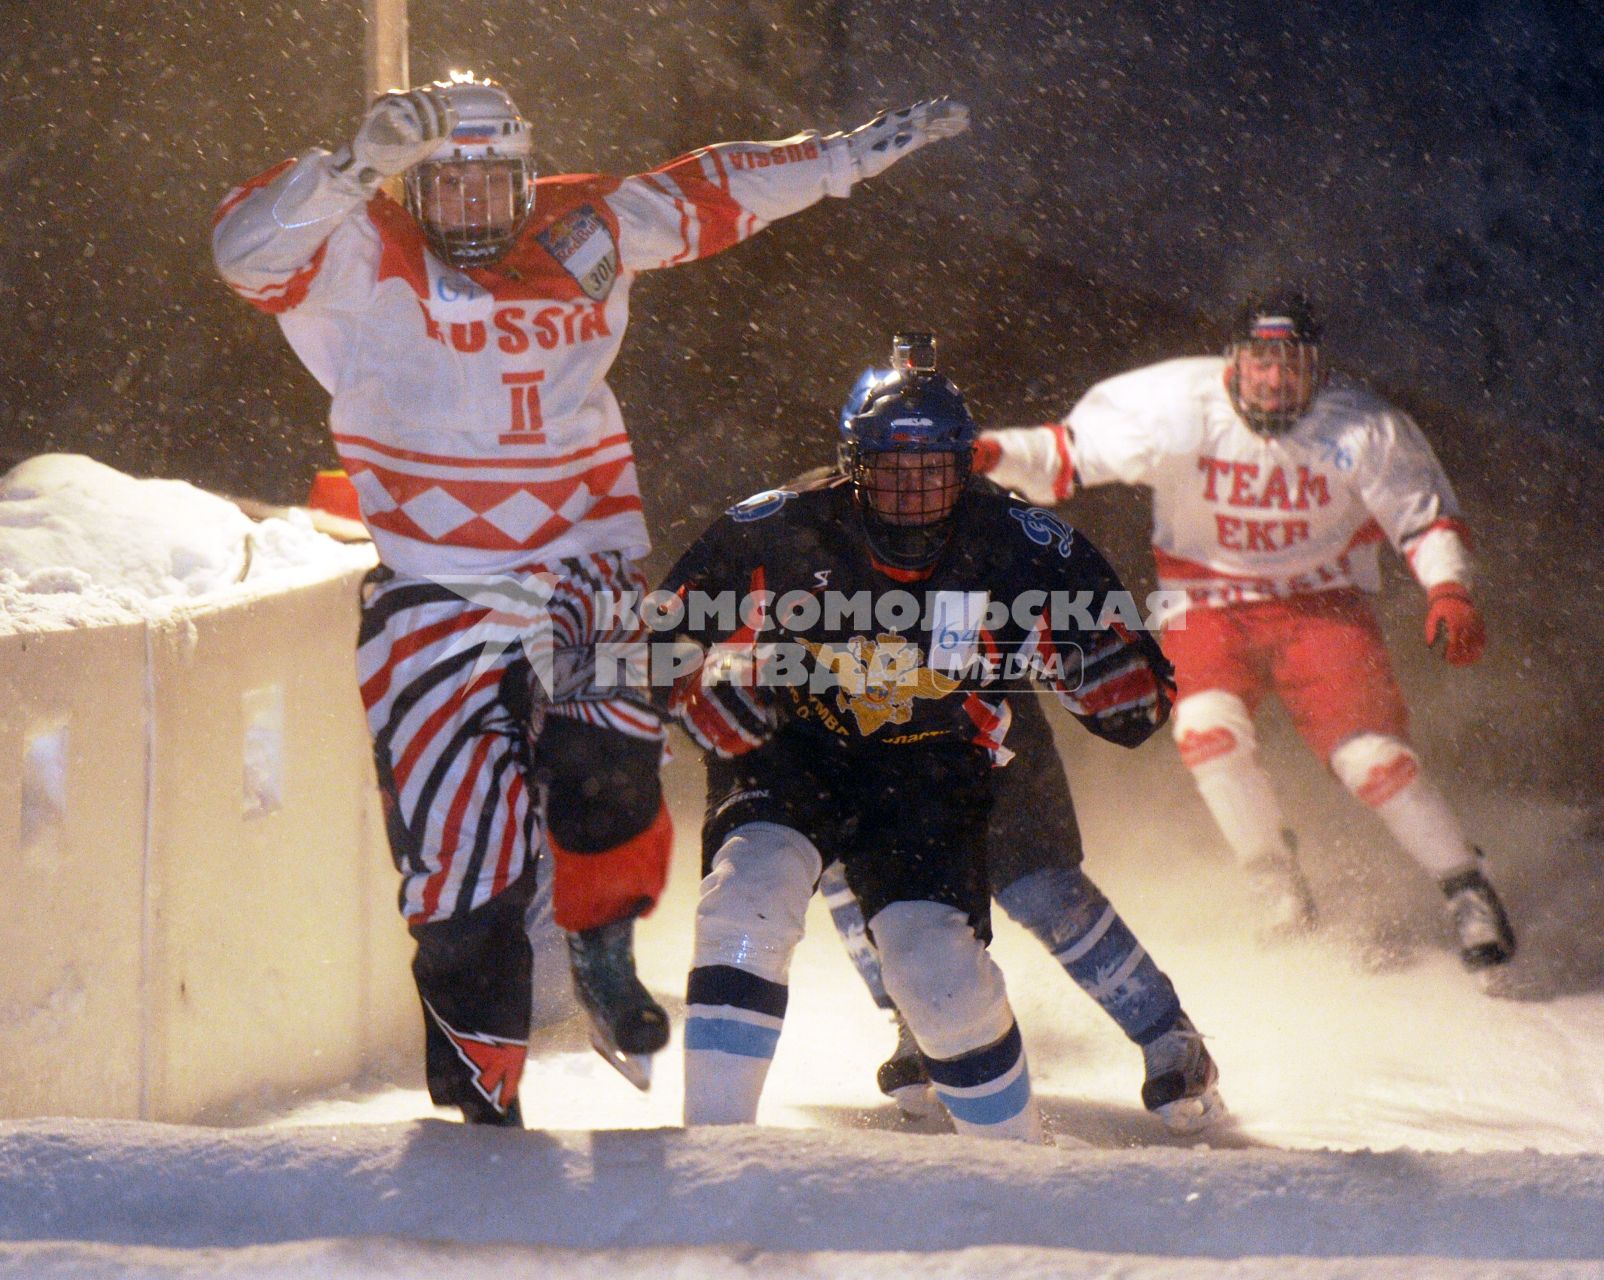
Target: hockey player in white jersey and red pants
(1273,488)
(464,338)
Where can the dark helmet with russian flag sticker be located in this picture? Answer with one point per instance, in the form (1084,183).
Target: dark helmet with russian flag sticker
(1274,366)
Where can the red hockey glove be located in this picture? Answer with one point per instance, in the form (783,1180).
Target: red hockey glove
(724,718)
(988,453)
(1450,612)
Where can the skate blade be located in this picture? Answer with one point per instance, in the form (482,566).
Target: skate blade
(634,1067)
(1485,959)
(1502,982)
(1288,929)
(917,1101)
(1193,1115)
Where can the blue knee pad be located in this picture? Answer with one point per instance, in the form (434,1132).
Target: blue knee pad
(1074,921)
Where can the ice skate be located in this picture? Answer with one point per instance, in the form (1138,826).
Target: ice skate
(1180,1088)
(902,1077)
(1485,936)
(478,1111)
(1286,907)
(627,1026)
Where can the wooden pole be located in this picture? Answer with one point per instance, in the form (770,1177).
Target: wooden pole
(384,47)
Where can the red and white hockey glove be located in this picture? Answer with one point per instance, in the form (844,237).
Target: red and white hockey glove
(1125,693)
(726,718)
(1451,613)
(1032,461)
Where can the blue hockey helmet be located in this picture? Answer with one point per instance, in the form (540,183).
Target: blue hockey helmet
(907,441)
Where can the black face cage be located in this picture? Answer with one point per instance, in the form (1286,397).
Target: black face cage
(1301,364)
(471,246)
(913,538)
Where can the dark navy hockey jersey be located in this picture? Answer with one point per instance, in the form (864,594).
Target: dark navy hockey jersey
(799,631)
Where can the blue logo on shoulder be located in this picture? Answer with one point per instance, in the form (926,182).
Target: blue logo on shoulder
(760,505)
(1338,454)
(1044,528)
(455,288)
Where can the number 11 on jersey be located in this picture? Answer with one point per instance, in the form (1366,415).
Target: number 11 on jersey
(525,423)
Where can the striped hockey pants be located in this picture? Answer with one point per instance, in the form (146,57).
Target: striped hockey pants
(494,731)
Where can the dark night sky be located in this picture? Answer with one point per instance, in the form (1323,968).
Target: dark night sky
(1435,173)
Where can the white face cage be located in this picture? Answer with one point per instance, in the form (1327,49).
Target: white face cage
(471,210)
(473,195)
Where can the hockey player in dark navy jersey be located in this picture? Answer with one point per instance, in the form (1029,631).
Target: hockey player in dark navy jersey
(859,638)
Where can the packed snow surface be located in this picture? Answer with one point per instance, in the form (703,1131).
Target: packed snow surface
(290,1194)
(1391,1117)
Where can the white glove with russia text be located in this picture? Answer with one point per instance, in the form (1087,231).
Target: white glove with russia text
(878,145)
(399,130)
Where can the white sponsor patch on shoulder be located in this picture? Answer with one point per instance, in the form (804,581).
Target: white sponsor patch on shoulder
(955,621)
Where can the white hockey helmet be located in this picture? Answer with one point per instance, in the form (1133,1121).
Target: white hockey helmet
(474,194)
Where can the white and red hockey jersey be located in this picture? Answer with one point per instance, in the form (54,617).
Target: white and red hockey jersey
(1236,516)
(470,408)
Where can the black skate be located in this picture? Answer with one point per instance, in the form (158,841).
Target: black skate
(1485,936)
(1180,1086)
(478,1111)
(902,1077)
(626,1025)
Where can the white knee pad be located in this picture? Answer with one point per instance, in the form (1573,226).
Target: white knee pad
(946,986)
(755,898)
(1375,767)
(1385,773)
(1213,726)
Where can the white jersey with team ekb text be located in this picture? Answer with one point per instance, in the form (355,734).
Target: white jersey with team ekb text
(1240,517)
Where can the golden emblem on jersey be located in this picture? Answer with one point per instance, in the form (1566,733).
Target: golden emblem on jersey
(878,680)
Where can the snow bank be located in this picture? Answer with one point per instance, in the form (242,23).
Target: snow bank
(84,545)
(774,1192)
(177,687)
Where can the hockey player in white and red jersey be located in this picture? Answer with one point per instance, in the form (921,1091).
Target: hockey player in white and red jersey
(1274,487)
(465,337)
